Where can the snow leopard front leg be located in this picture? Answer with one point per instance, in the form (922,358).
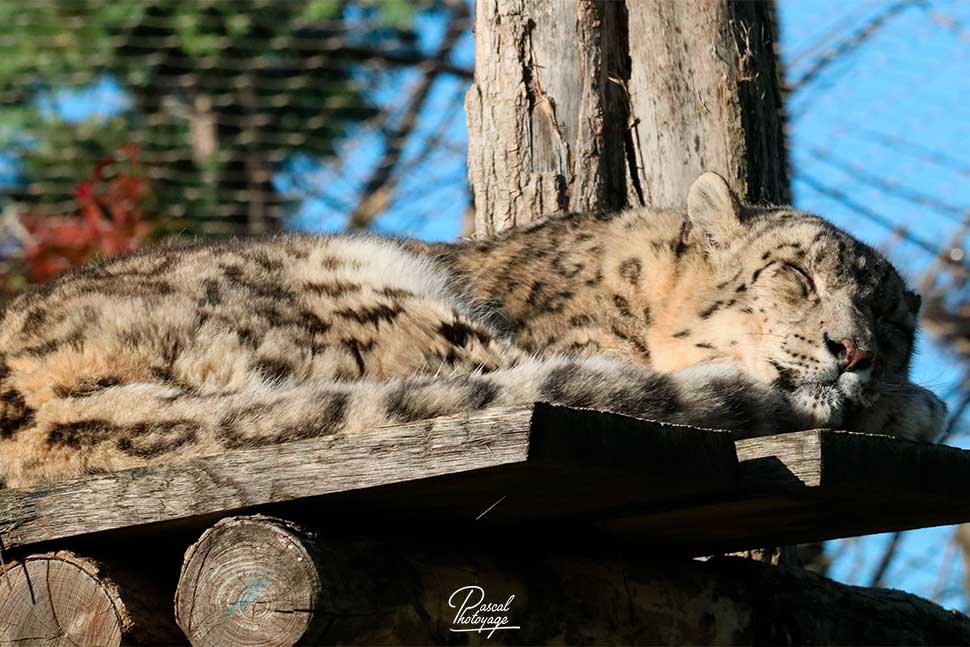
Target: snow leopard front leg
(903,410)
(721,396)
(899,409)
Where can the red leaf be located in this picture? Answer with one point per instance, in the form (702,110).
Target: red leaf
(108,219)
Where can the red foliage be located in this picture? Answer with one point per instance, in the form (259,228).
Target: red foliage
(108,220)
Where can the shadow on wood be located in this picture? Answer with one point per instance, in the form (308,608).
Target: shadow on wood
(411,591)
(815,485)
(547,461)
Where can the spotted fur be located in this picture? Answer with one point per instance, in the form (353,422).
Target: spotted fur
(717,316)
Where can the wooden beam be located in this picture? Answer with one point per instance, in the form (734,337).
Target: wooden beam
(533,462)
(642,482)
(847,460)
(816,485)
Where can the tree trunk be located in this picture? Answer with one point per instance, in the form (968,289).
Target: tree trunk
(585,105)
(261,217)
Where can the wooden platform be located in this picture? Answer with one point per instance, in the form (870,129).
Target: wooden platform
(690,490)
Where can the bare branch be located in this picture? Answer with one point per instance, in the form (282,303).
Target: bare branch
(951,24)
(852,42)
(928,282)
(377,191)
(434,142)
(942,585)
(857,172)
(897,144)
(879,574)
(961,537)
(404,59)
(956,415)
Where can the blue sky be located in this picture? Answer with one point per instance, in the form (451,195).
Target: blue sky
(908,82)
(430,202)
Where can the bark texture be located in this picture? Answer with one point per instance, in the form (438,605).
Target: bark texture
(585,105)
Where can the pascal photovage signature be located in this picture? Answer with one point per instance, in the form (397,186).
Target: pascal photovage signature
(476,615)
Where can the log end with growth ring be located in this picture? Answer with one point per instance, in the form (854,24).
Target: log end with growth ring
(248,581)
(60,599)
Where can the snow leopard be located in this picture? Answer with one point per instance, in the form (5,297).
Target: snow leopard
(724,315)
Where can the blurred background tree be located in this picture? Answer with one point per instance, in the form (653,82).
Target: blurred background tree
(218,95)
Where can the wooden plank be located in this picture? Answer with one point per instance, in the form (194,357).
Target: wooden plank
(841,459)
(606,464)
(244,478)
(782,463)
(644,482)
(547,461)
(816,485)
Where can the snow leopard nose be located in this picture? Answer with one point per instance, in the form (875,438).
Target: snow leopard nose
(850,356)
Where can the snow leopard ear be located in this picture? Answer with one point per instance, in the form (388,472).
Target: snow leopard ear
(712,207)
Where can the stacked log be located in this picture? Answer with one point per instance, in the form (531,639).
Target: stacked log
(61,598)
(265,581)
(250,581)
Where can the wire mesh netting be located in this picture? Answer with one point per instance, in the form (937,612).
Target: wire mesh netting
(878,139)
(235,117)
(126,120)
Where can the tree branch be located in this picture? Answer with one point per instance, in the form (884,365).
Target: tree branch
(887,558)
(951,211)
(377,191)
(872,216)
(852,42)
(403,59)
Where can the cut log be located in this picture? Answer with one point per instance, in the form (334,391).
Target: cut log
(64,599)
(409,591)
(249,581)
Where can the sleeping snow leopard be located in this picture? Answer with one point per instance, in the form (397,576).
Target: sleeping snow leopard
(753,319)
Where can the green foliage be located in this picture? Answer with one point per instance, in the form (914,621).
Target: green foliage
(397,13)
(47,39)
(316,10)
(221,92)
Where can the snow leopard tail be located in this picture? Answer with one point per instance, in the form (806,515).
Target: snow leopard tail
(122,426)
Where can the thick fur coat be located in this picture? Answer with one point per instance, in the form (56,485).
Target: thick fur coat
(754,319)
